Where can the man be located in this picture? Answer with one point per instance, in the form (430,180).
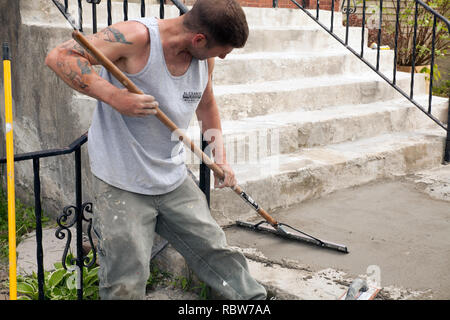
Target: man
(141,185)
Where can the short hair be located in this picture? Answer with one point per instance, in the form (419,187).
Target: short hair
(223,22)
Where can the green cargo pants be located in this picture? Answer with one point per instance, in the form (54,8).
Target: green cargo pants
(126,222)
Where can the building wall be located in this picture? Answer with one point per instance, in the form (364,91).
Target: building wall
(310,4)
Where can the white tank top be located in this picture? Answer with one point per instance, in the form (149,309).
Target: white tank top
(139,154)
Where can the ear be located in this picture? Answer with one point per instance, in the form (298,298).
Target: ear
(199,40)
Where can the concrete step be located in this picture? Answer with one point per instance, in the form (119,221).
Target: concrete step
(254,138)
(299,126)
(42,11)
(284,180)
(270,66)
(249,100)
(289,17)
(295,38)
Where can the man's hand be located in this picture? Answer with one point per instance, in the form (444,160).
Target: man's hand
(230,179)
(132,104)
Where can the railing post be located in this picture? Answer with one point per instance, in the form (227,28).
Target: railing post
(142,8)
(80,15)
(397,25)
(161,9)
(94,14)
(332,15)
(380,23)
(317,9)
(433,47)
(347,25)
(447,141)
(79,223)
(413,62)
(38,216)
(363,27)
(125,10)
(205,173)
(108,9)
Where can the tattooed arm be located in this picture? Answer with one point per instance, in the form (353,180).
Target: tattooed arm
(127,45)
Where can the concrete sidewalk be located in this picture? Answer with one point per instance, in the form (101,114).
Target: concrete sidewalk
(397,232)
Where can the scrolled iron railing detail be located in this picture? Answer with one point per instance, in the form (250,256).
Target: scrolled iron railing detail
(88,207)
(67,220)
(64,230)
(346,7)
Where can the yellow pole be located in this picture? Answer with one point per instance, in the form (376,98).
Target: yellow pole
(10,173)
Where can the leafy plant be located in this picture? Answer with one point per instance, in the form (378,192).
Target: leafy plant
(60,284)
(427,71)
(157,276)
(183,283)
(203,291)
(406,29)
(186,284)
(424,32)
(442,89)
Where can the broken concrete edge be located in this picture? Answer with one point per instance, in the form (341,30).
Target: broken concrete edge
(288,279)
(433,182)
(283,279)
(294,281)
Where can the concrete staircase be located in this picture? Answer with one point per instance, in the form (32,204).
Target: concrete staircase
(302,117)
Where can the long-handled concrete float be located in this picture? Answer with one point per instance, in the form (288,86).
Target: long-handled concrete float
(274,226)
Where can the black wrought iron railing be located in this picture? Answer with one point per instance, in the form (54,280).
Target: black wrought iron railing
(125,5)
(74,215)
(434,21)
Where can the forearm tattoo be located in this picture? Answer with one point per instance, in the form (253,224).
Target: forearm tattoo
(85,67)
(74,74)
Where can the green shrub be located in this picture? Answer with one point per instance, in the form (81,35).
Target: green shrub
(60,284)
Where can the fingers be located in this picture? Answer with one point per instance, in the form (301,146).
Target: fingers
(220,183)
(150,108)
(146,105)
(229,180)
(136,105)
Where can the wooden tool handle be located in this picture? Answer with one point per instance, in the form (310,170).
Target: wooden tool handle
(263,213)
(119,75)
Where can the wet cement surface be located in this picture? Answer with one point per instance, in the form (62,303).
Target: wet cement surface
(393,231)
